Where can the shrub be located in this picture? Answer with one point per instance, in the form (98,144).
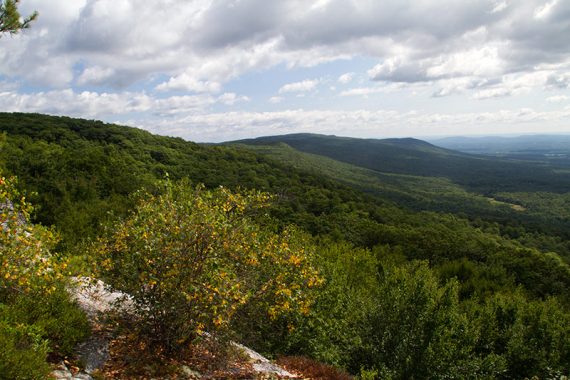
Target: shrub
(36,314)
(54,317)
(26,263)
(190,257)
(533,336)
(418,330)
(23,353)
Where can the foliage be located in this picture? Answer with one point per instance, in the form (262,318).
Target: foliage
(417,330)
(82,173)
(36,315)
(334,325)
(26,263)
(23,353)
(533,337)
(191,257)
(10,21)
(54,317)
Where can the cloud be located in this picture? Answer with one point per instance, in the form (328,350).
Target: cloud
(399,69)
(96,75)
(217,127)
(185,82)
(103,105)
(202,44)
(513,84)
(168,63)
(303,86)
(557,99)
(544,11)
(68,102)
(499,6)
(458,85)
(230,98)
(559,80)
(345,78)
(362,91)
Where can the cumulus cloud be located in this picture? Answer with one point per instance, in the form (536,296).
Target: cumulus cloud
(303,86)
(185,55)
(103,105)
(202,44)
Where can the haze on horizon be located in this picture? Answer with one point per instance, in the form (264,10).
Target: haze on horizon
(212,71)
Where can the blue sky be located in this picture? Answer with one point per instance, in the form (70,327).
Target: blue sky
(217,70)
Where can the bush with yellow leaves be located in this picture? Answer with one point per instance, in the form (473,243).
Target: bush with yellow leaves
(26,263)
(36,314)
(191,257)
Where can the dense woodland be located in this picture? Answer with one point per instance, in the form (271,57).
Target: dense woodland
(403,260)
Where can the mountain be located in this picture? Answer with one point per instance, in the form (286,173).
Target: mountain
(77,171)
(553,148)
(483,174)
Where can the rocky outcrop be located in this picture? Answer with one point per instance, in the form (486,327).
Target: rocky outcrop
(95,298)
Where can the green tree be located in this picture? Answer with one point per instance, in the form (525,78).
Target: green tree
(418,331)
(10,19)
(190,258)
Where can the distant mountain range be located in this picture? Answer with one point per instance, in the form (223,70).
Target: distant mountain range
(528,146)
(409,156)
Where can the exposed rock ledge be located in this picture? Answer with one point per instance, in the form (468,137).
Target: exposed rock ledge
(96,300)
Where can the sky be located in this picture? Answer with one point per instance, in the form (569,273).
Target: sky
(219,70)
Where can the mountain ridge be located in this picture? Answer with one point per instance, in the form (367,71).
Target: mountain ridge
(480,173)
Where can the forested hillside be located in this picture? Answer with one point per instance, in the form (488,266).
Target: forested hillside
(483,174)
(416,276)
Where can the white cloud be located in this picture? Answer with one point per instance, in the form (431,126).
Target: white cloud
(457,85)
(480,62)
(303,86)
(95,75)
(202,44)
(544,11)
(475,49)
(513,84)
(185,82)
(102,105)
(345,78)
(399,68)
(230,98)
(499,6)
(275,99)
(227,126)
(362,91)
(557,99)
(559,80)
